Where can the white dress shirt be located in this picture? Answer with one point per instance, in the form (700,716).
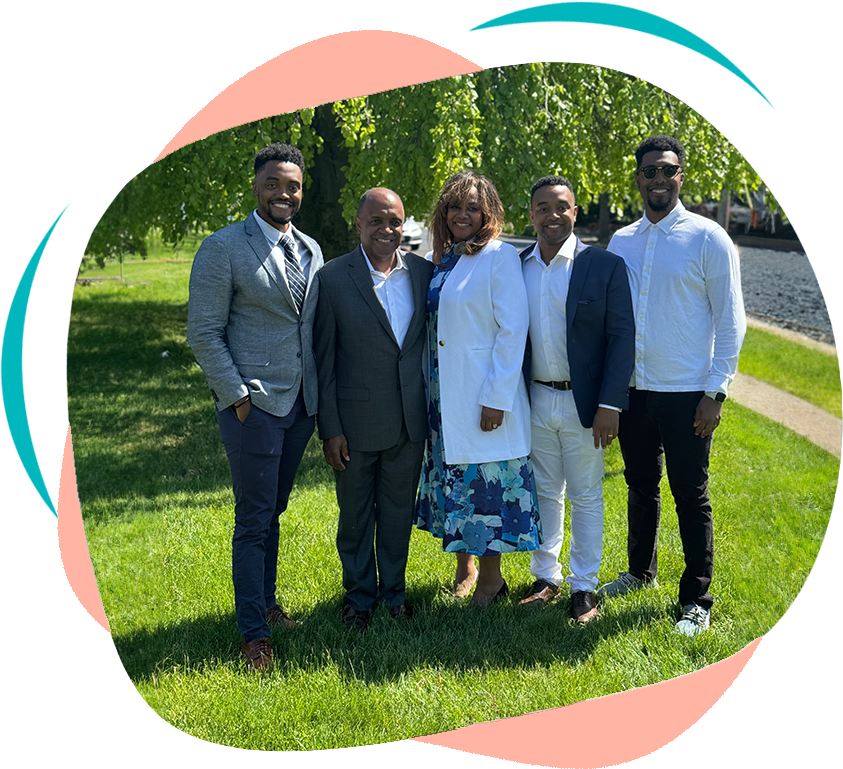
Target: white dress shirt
(547,294)
(273,236)
(395,293)
(690,323)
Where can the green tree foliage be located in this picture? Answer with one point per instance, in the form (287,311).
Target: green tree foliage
(513,124)
(202,186)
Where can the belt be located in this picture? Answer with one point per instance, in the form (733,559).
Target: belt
(555,385)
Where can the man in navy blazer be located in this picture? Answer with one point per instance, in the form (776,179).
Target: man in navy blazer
(250,325)
(581,354)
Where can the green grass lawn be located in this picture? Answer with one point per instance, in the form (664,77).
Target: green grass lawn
(155,491)
(809,374)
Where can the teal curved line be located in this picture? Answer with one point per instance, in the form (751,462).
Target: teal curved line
(620,16)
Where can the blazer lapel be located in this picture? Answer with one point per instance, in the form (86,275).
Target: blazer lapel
(420,288)
(582,261)
(259,244)
(358,271)
(316,259)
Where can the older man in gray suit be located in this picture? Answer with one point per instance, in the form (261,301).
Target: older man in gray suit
(250,325)
(369,339)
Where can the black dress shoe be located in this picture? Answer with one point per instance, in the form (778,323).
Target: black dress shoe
(402,612)
(583,606)
(355,618)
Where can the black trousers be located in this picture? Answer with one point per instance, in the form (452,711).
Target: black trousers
(659,427)
(376,494)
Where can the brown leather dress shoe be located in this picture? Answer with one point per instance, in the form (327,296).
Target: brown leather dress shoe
(355,618)
(401,612)
(275,615)
(258,654)
(583,606)
(540,593)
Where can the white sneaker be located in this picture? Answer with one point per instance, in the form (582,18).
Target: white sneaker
(625,583)
(695,620)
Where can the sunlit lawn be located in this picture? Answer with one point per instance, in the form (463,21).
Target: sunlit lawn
(155,492)
(809,374)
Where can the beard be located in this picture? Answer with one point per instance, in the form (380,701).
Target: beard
(555,239)
(282,218)
(662,203)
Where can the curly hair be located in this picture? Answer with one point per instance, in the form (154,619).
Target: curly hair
(281,153)
(660,143)
(457,190)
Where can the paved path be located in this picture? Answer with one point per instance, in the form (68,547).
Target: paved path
(817,425)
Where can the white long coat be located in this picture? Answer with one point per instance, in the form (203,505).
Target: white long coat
(482,331)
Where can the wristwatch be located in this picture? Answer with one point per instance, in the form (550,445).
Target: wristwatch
(719,397)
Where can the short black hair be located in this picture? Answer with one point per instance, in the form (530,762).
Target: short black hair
(660,143)
(371,191)
(553,180)
(281,153)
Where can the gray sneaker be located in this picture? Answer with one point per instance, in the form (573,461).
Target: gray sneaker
(695,620)
(625,583)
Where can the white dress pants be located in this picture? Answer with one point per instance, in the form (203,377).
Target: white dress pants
(564,456)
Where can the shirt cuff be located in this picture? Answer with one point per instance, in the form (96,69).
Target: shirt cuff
(607,406)
(718,384)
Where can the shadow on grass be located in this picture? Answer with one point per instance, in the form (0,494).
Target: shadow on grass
(142,418)
(445,634)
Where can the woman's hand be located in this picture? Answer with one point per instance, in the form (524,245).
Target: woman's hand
(490,419)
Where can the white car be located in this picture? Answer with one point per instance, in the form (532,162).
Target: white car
(412,234)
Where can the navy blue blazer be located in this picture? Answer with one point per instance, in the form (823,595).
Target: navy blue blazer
(601,331)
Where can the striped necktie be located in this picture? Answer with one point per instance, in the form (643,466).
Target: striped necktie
(295,277)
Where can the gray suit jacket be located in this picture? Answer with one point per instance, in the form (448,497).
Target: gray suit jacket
(368,385)
(242,323)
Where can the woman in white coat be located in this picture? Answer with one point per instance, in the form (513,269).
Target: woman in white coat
(477,492)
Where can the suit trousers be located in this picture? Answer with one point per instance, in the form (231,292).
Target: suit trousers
(376,494)
(564,458)
(264,453)
(658,427)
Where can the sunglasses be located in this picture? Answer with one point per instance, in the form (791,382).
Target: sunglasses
(651,171)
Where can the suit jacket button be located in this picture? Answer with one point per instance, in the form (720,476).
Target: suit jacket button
(298,355)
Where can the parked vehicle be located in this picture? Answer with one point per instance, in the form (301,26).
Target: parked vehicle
(412,234)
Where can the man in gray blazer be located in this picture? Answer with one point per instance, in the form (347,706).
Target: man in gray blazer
(582,344)
(250,325)
(369,340)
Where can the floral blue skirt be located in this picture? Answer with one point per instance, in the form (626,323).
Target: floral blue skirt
(483,509)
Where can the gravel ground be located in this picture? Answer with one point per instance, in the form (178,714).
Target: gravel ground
(779,287)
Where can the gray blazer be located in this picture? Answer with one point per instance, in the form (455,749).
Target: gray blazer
(242,323)
(368,385)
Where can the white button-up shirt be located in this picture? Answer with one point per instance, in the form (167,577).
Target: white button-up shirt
(547,292)
(684,275)
(547,295)
(273,236)
(395,293)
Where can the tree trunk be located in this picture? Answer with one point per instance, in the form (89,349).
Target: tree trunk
(603,233)
(723,208)
(321,213)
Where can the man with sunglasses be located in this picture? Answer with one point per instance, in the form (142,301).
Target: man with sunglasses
(689,326)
